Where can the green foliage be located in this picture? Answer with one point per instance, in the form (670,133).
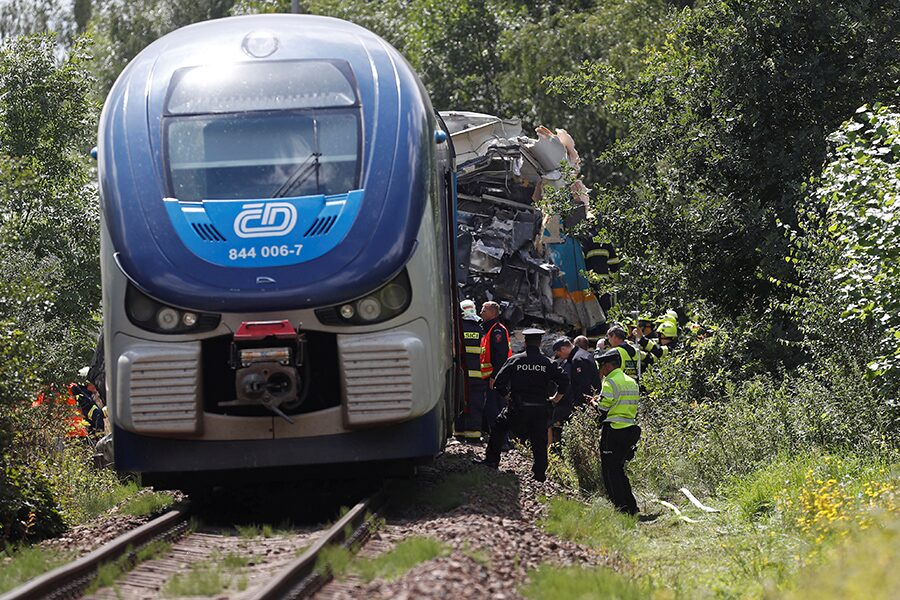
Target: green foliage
(860,189)
(550,582)
(598,524)
(148,503)
(399,559)
(777,525)
(863,567)
(204,579)
(49,281)
(121,29)
(21,564)
(725,120)
(28,508)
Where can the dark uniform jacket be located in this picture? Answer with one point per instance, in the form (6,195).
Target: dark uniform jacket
(499,344)
(584,376)
(526,378)
(472,333)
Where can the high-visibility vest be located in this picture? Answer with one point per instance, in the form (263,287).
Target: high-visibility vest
(619,397)
(472,342)
(629,361)
(487,369)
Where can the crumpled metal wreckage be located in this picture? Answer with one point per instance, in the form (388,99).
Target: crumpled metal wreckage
(508,250)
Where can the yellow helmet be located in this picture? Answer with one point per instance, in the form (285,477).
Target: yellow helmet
(668,329)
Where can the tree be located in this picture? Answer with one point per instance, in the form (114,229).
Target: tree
(122,28)
(724,122)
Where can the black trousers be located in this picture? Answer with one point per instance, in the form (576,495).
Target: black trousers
(616,448)
(529,422)
(493,406)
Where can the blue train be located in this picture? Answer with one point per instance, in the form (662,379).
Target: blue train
(278,223)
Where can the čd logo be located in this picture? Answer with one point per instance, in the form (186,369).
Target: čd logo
(265,219)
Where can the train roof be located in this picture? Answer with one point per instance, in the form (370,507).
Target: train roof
(174,249)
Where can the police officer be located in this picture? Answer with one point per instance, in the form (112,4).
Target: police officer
(467,427)
(582,370)
(525,378)
(495,351)
(618,404)
(616,338)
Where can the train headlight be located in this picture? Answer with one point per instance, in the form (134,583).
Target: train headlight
(167,318)
(152,315)
(385,303)
(369,308)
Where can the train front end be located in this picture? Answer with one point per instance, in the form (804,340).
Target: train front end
(275,254)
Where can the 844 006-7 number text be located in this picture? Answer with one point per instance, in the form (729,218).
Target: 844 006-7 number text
(264,251)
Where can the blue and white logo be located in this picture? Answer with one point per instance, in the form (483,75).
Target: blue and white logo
(269,219)
(254,233)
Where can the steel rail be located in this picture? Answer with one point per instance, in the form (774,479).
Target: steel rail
(300,579)
(70,580)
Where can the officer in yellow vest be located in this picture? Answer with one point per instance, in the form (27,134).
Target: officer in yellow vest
(618,404)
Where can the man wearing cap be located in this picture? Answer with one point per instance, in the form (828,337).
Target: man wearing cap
(526,378)
(467,427)
(495,351)
(584,379)
(618,404)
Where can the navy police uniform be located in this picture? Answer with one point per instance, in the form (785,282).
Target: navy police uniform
(526,378)
(584,378)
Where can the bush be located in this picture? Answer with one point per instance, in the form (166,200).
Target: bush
(28,508)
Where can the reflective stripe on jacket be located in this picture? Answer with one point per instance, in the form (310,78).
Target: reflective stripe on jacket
(472,342)
(487,368)
(619,399)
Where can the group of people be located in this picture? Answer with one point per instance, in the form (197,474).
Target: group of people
(532,396)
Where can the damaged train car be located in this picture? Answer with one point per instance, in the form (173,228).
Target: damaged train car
(509,250)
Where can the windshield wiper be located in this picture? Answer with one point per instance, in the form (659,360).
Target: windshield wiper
(309,166)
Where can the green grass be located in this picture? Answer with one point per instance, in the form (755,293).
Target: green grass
(575,583)
(400,559)
(21,564)
(861,567)
(149,503)
(265,530)
(209,578)
(812,525)
(596,524)
(340,561)
(109,573)
(334,560)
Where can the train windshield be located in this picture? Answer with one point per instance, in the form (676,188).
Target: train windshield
(262,133)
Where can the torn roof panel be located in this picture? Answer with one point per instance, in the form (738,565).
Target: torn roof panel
(505,238)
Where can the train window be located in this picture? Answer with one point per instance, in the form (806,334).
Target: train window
(284,85)
(263,155)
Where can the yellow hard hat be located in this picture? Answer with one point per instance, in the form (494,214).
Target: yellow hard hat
(668,329)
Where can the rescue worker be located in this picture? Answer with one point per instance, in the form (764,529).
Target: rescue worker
(657,350)
(467,427)
(584,379)
(616,339)
(619,435)
(90,409)
(645,324)
(525,378)
(495,351)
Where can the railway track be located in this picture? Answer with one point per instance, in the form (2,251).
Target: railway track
(281,565)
